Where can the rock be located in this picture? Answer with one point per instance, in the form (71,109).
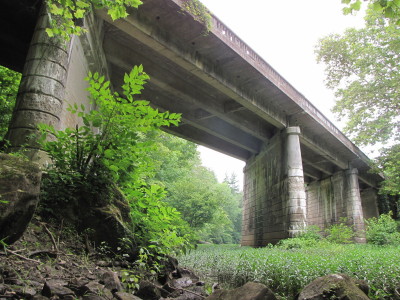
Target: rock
(170,269)
(335,286)
(125,296)
(95,288)
(39,297)
(149,291)
(78,285)
(20,187)
(186,278)
(249,291)
(106,218)
(191,293)
(111,281)
(54,287)
(94,297)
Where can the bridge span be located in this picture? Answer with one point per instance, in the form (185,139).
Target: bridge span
(300,169)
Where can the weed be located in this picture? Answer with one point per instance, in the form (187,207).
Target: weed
(286,272)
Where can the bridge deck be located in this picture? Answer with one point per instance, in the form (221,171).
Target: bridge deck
(230,98)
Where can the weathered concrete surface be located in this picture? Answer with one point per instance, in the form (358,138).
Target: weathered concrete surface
(41,92)
(369,198)
(296,196)
(274,204)
(336,197)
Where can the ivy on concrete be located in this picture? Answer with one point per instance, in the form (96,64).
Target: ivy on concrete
(66,16)
(199,12)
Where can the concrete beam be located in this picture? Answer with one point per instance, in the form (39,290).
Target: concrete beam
(212,124)
(232,106)
(315,165)
(203,138)
(186,57)
(324,152)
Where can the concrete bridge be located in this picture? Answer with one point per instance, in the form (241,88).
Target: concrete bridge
(300,169)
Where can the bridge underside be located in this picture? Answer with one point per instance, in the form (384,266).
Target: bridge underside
(299,166)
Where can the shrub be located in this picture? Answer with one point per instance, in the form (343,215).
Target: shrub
(340,233)
(307,238)
(107,150)
(311,232)
(382,230)
(296,243)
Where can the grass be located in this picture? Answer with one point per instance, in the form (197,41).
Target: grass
(286,272)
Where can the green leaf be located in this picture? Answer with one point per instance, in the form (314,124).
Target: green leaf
(50,32)
(109,153)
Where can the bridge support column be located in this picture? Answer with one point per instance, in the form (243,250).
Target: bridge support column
(296,196)
(354,205)
(274,206)
(41,93)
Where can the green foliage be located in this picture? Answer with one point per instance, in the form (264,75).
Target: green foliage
(286,272)
(311,232)
(296,243)
(389,162)
(340,233)
(109,141)
(174,157)
(382,230)
(65,14)
(195,197)
(309,237)
(110,148)
(199,12)
(213,209)
(157,226)
(362,68)
(389,9)
(9,82)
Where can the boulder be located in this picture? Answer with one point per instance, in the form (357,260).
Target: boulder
(125,296)
(55,287)
(104,215)
(335,286)
(249,291)
(19,195)
(150,291)
(111,281)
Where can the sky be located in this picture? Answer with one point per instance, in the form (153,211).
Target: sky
(284,34)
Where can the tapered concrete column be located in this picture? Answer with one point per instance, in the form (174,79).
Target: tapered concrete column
(354,205)
(296,196)
(41,93)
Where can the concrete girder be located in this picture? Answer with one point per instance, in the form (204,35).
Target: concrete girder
(153,37)
(212,124)
(211,141)
(331,157)
(312,174)
(317,167)
(122,58)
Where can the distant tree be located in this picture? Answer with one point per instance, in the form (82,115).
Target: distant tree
(362,67)
(173,156)
(389,9)
(232,182)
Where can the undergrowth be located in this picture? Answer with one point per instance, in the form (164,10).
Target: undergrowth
(287,271)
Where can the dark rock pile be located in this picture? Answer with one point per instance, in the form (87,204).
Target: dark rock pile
(33,269)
